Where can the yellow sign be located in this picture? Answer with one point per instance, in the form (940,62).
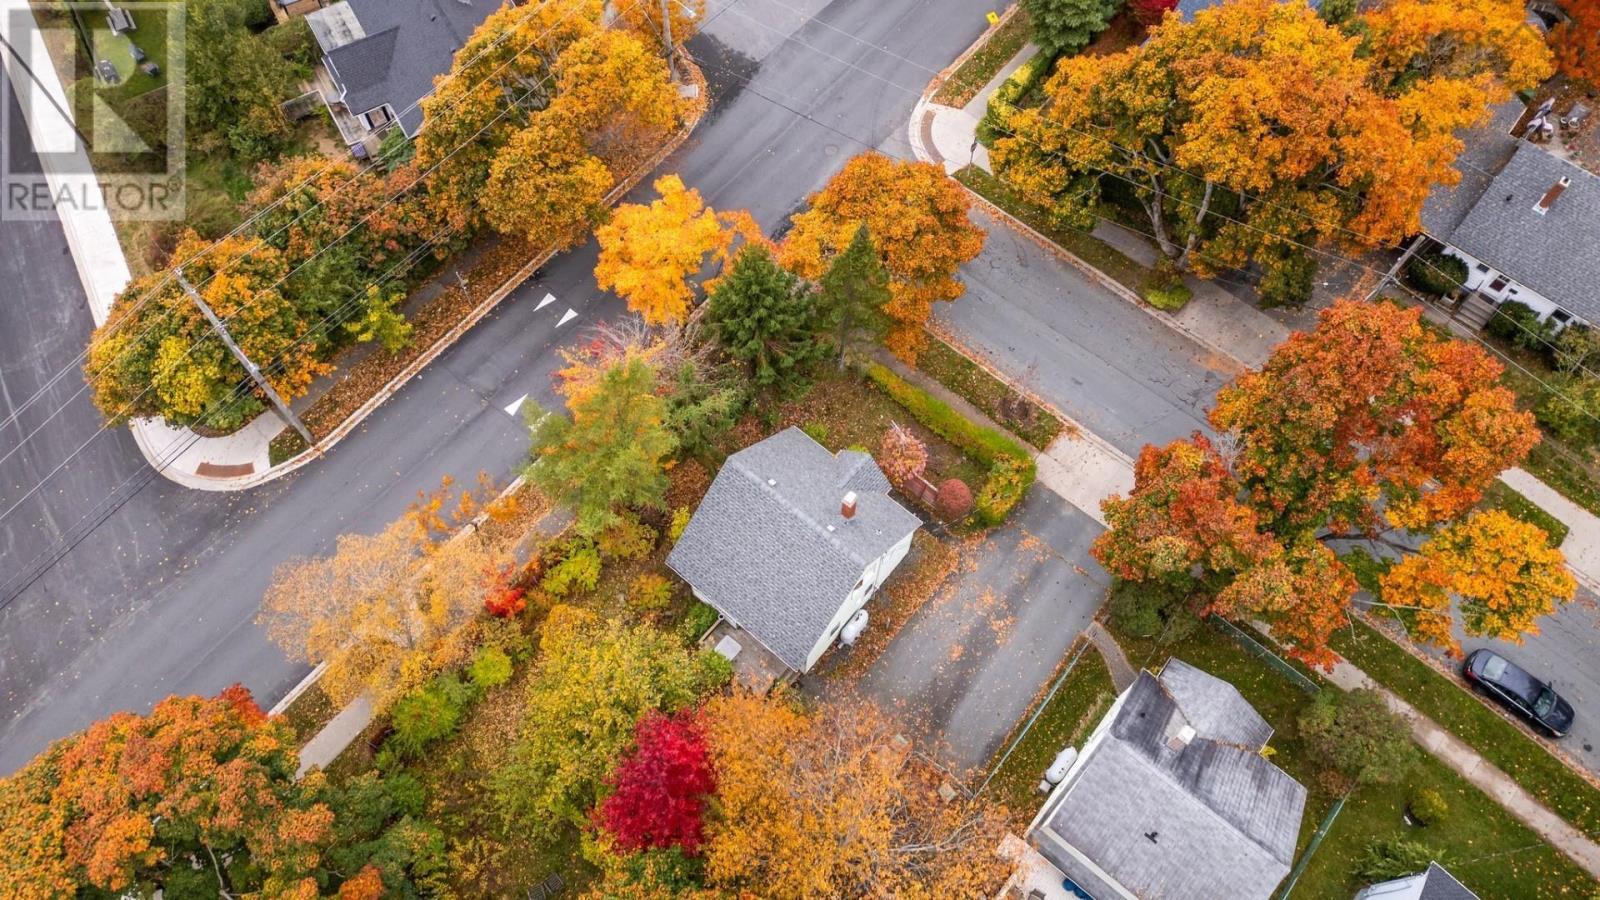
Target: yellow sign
(994,18)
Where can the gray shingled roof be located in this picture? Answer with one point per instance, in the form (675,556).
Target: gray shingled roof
(1214,707)
(407,43)
(759,548)
(1485,150)
(1439,884)
(1207,819)
(1555,253)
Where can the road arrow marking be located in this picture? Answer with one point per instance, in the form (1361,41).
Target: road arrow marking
(516,405)
(567,316)
(548,299)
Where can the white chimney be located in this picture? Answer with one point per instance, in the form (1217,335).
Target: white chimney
(847,506)
(1182,738)
(1549,198)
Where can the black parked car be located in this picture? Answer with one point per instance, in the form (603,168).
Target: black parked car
(1518,691)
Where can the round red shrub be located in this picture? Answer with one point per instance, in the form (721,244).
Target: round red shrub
(954,499)
(659,789)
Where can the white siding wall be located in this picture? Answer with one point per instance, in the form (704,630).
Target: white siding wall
(872,578)
(1481,277)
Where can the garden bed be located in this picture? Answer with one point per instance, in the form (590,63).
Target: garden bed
(1489,850)
(997,47)
(1009,406)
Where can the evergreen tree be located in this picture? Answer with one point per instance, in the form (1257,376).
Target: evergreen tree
(1067,26)
(853,291)
(764,318)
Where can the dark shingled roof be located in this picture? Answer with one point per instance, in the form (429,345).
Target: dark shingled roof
(762,553)
(407,44)
(1167,819)
(1439,884)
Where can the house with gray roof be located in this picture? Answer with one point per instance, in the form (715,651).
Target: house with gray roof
(1525,220)
(1170,797)
(791,541)
(1434,884)
(380,57)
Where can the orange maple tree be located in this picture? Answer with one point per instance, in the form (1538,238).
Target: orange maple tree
(649,252)
(1576,42)
(1364,428)
(918,221)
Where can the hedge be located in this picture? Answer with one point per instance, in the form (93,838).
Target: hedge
(1011,466)
(1002,103)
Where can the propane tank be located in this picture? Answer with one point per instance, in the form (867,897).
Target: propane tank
(853,628)
(1058,769)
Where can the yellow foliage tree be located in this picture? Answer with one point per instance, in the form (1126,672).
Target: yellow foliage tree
(649,252)
(545,187)
(918,221)
(832,805)
(389,610)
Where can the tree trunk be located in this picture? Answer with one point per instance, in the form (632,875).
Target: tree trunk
(1194,233)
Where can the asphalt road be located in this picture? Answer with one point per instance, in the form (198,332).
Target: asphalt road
(161,597)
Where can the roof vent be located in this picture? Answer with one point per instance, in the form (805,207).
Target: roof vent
(1151,836)
(772,482)
(1549,198)
(847,506)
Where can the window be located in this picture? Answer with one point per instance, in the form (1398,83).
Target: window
(1561,316)
(1482,268)
(1499,284)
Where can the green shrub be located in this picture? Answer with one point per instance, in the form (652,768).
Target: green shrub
(1357,736)
(1397,858)
(580,569)
(1164,289)
(680,521)
(428,715)
(1002,103)
(491,667)
(1149,609)
(1517,323)
(697,621)
(1568,411)
(818,431)
(1427,806)
(651,593)
(628,539)
(1288,279)
(1436,273)
(1008,479)
(406,793)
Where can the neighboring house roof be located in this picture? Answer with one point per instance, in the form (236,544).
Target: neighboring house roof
(1490,215)
(1209,817)
(395,49)
(1434,884)
(1187,8)
(769,548)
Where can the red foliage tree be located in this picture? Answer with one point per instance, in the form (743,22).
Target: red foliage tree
(659,790)
(1577,42)
(1150,12)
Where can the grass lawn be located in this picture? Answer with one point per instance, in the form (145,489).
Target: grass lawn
(1081,244)
(1030,421)
(1002,44)
(1504,497)
(1498,855)
(1447,702)
(1065,721)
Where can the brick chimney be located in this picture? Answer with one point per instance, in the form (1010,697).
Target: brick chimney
(1549,198)
(847,506)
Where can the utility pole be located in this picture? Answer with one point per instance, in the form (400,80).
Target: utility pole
(666,34)
(255,373)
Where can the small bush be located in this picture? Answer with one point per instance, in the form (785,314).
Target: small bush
(628,539)
(1165,289)
(506,601)
(1568,411)
(491,667)
(697,621)
(954,500)
(580,570)
(406,793)
(818,431)
(1517,323)
(1008,480)
(651,593)
(680,521)
(1436,273)
(1288,280)
(1397,858)
(901,455)
(428,715)
(1428,806)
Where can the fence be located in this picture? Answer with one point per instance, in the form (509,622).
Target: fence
(1258,650)
(1060,680)
(1311,848)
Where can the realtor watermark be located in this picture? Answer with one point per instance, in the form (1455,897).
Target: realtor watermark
(100,90)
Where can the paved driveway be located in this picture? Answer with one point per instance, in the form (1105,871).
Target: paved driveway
(967,666)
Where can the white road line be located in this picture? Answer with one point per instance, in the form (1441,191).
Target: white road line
(567,316)
(548,299)
(516,405)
